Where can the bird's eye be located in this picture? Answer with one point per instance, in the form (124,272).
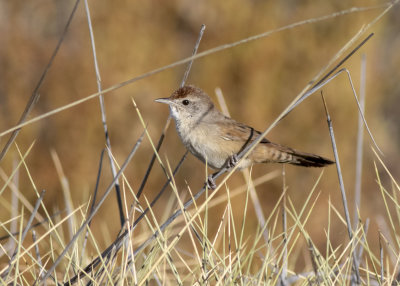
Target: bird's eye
(185,102)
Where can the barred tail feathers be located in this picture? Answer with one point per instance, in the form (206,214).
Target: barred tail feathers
(275,153)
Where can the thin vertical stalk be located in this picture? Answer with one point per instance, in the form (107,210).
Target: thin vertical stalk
(343,192)
(104,118)
(360,136)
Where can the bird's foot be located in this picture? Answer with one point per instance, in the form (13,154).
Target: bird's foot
(232,161)
(210,184)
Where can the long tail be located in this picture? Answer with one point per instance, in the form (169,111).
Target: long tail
(271,152)
(309,160)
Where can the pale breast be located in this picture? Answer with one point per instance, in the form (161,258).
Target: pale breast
(204,142)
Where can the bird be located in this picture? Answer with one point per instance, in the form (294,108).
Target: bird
(216,139)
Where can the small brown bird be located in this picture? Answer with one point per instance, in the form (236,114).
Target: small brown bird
(216,139)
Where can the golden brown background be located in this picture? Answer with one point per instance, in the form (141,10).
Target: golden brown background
(258,80)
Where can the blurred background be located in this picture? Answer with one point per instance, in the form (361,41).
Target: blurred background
(258,80)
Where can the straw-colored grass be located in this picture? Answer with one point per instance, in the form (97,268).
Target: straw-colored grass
(196,236)
(187,252)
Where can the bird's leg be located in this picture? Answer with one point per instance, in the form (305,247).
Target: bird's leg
(210,184)
(232,161)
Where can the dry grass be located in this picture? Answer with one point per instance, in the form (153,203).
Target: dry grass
(194,236)
(188,252)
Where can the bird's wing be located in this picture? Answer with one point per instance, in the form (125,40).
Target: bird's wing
(232,130)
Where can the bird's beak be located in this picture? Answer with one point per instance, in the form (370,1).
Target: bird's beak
(163,100)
